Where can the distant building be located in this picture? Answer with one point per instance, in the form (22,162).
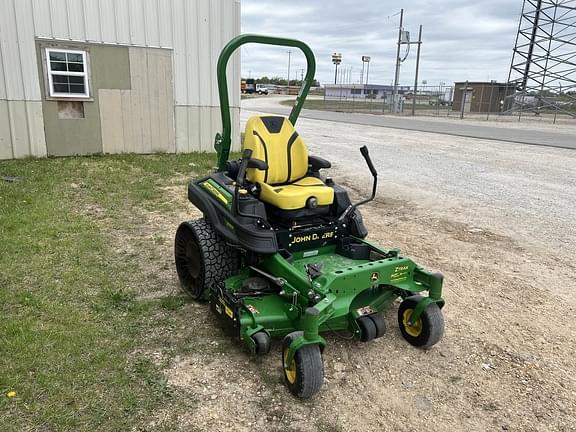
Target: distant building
(362,91)
(113,76)
(482,96)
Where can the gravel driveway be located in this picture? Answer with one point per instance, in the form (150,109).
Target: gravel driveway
(498,220)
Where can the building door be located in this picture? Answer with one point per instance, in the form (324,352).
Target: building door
(468,100)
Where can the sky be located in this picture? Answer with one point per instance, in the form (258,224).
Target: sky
(462,39)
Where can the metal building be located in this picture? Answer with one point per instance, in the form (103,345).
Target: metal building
(482,96)
(362,91)
(113,76)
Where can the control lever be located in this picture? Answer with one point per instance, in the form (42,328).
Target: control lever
(350,208)
(246,163)
(364,151)
(246,155)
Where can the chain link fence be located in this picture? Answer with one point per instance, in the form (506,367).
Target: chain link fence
(473,100)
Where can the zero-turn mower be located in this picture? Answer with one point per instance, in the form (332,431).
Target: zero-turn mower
(280,250)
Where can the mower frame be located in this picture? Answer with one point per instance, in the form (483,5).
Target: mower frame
(325,276)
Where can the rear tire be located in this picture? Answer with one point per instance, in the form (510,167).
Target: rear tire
(203,259)
(304,376)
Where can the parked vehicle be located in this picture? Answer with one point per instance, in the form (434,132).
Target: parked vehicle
(262,89)
(248,86)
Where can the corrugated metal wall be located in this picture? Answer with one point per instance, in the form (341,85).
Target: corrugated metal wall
(195,29)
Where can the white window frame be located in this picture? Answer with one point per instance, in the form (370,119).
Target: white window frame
(84,74)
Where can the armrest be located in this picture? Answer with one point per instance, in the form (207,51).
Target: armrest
(258,164)
(318,163)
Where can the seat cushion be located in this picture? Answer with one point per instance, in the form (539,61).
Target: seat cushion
(294,196)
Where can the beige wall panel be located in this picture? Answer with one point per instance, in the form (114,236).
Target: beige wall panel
(92,20)
(193,135)
(165,24)
(155,125)
(5,132)
(36,131)
(141,120)
(18,119)
(11,53)
(27,52)
(181,128)
(129,129)
(59,18)
(107,11)
(76,20)
(122,21)
(165,106)
(3,93)
(152,33)
(137,26)
(41,14)
(111,118)
(180,48)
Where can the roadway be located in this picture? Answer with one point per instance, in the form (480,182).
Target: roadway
(513,133)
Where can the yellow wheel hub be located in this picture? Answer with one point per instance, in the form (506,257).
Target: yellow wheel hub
(415,329)
(289,370)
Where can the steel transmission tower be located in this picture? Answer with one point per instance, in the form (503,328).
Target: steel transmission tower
(543,69)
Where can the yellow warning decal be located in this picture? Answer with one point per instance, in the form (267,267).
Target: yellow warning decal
(400,274)
(214,191)
(229,312)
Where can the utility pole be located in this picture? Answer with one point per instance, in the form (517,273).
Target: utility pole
(289,54)
(416,74)
(397,72)
(367,68)
(362,75)
(301,75)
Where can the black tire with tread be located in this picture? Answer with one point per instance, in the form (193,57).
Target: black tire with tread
(432,323)
(203,259)
(309,368)
(368,329)
(262,341)
(378,321)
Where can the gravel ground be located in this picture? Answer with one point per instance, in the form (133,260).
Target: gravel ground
(516,189)
(498,221)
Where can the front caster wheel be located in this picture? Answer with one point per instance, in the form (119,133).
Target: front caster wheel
(371,327)
(262,343)
(379,323)
(305,373)
(428,328)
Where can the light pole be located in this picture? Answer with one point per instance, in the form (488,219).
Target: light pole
(366,59)
(289,54)
(336,59)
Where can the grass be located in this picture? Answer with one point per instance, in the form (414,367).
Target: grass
(73,320)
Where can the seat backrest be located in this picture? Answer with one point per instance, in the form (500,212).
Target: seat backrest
(274,140)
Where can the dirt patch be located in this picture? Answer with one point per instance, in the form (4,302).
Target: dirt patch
(505,362)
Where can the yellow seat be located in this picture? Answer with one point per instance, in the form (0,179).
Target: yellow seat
(285,183)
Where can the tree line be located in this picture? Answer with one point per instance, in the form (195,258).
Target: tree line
(282,81)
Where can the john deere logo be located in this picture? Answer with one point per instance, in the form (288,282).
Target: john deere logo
(375,276)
